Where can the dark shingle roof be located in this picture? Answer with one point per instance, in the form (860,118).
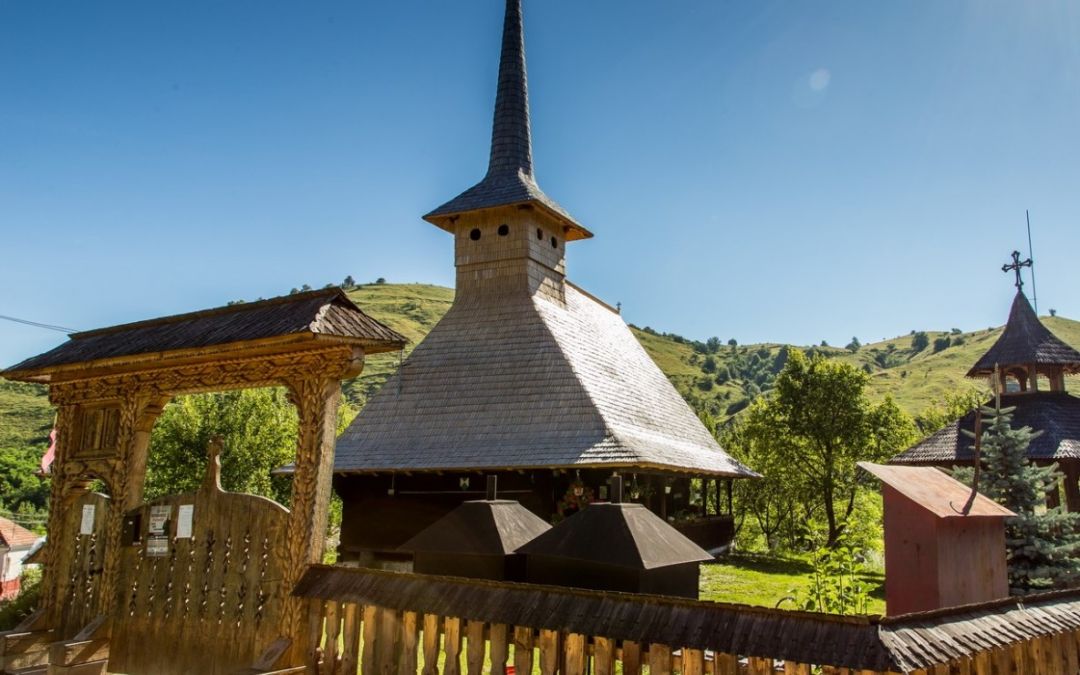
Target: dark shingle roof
(324,313)
(1056,414)
(621,535)
(509,180)
(480,527)
(1026,340)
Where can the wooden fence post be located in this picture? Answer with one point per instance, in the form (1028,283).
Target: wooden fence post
(500,648)
(523,650)
(431,644)
(604,656)
(409,634)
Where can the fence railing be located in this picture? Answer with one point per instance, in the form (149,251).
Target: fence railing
(392,624)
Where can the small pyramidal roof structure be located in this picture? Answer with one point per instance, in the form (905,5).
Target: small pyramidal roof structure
(617,534)
(525,371)
(509,180)
(479,527)
(1025,341)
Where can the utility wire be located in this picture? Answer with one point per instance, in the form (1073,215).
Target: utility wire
(35,324)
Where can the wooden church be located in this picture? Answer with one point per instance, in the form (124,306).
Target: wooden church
(1027,366)
(527,377)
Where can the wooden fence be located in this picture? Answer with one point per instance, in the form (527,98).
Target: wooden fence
(397,624)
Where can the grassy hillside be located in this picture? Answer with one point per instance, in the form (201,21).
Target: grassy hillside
(719,378)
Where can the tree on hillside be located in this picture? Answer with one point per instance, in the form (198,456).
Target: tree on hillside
(919,341)
(733,343)
(20,485)
(819,422)
(349,283)
(1042,546)
(709,366)
(948,409)
(1053,312)
(854,345)
(713,344)
(942,343)
(258,427)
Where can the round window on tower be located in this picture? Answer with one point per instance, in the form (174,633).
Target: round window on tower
(475,234)
(554,243)
(504,230)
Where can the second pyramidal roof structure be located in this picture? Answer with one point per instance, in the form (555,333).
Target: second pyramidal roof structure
(525,370)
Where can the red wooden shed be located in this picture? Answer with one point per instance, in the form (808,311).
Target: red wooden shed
(936,555)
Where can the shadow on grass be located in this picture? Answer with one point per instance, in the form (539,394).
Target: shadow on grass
(766,564)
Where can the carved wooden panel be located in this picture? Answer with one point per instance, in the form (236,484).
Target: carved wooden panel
(208,603)
(80,561)
(98,431)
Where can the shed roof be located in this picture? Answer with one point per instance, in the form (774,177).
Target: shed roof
(509,180)
(479,527)
(325,314)
(15,536)
(507,381)
(1055,414)
(933,490)
(1024,341)
(621,535)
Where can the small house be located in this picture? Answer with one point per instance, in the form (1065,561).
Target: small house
(940,551)
(616,546)
(16,542)
(477,539)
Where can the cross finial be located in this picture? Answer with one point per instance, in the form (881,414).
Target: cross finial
(1016,266)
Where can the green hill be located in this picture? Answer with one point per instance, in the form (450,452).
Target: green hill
(714,377)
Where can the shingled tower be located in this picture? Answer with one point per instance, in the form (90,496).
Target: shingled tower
(526,376)
(1025,353)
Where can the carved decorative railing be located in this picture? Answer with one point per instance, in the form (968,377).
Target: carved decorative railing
(392,623)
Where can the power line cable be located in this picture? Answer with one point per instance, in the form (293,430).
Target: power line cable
(35,324)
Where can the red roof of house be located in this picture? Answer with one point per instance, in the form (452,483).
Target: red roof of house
(13,535)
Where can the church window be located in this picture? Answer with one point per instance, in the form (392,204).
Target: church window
(539,234)
(554,243)
(475,234)
(504,230)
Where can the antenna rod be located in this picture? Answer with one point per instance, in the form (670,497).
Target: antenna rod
(1034,293)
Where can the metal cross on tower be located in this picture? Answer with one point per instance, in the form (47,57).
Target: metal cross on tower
(1016,266)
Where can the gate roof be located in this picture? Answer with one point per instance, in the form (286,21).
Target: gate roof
(285,324)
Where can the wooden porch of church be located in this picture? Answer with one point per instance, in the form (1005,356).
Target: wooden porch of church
(383,511)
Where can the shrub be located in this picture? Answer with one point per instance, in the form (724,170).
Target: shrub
(942,343)
(920,341)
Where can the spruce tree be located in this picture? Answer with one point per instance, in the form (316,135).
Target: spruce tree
(1042,543)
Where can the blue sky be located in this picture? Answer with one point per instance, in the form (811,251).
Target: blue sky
(765,171)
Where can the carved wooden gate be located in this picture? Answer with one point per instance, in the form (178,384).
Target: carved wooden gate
(201,582)
(81,562)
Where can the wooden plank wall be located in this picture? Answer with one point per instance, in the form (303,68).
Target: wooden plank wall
(391,642)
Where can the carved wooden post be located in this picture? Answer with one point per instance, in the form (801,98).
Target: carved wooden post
(138,412)
(316,397)
(65,422)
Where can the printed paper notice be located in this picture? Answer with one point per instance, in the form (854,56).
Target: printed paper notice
(87,524)
(184,519)
(157,546)
(159,516)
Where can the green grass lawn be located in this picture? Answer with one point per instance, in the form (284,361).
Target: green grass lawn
(766,581)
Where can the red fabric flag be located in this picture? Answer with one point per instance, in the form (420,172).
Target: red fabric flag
(50,454)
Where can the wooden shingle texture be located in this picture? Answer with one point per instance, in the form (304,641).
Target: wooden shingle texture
(512,381)
(1025,341)
(1055,414)
(325,313)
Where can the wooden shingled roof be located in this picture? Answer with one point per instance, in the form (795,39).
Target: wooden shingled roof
(1055,414)
(632,536)
(902,643)
(15,536)
(509,180)
(1025,341)
(515,382)
(479,527)
(317,315)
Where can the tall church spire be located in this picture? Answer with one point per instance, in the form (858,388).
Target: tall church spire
(509,180)
(511,139)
